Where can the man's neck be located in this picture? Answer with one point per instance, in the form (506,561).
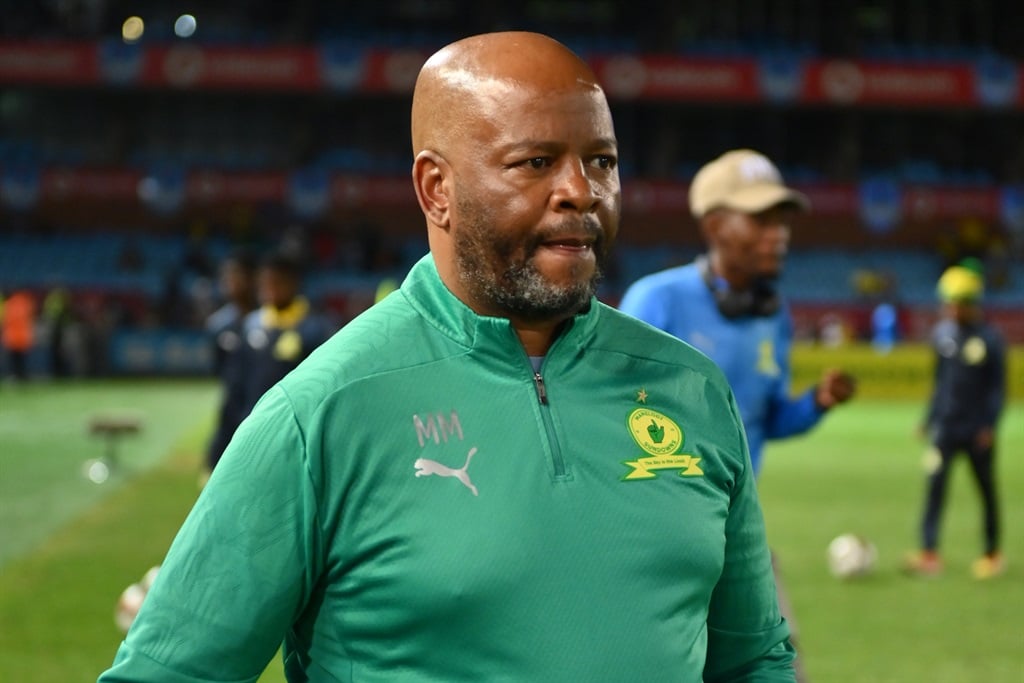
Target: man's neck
(246,304)
(737,280)
(537,337)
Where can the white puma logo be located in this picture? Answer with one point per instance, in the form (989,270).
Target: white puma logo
(424,468)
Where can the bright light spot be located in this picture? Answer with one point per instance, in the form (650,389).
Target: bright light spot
(96,471)
(148,189)
(185,26)
(132,29)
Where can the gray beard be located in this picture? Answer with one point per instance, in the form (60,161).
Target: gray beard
(522,291)
(487,268)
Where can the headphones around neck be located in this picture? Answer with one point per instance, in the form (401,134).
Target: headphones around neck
(760,300)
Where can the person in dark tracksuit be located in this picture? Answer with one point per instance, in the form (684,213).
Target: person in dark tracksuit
(967,399)
(224,326)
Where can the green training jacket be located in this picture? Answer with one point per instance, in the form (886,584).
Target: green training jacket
(416,504)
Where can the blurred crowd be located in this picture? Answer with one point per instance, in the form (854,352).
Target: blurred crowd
(843,28)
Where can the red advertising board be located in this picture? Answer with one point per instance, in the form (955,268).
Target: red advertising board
(675,78)
(773,78)
(248,187)
(46,63)
(391,71)
(269,68)
(209,186)
(925,203)
(848,82)
(93,184)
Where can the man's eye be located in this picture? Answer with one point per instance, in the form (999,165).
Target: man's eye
(537,162)
(605,161)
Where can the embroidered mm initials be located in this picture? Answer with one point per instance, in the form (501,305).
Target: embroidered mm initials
(436,428)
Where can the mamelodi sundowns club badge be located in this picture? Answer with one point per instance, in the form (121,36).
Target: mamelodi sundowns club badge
(661,438)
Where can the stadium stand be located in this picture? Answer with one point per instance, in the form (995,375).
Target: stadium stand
(118,156)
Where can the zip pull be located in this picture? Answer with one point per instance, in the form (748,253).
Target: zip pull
(542,393)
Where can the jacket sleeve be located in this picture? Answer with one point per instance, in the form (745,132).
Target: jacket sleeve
(789,416)
(936,377)
(240,569)
(936,390)
(995,396)
(748,640)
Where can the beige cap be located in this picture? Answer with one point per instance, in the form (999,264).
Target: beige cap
(743,180)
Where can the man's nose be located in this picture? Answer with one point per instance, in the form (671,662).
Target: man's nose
(574,189)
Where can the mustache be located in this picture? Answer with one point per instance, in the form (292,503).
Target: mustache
(588,227)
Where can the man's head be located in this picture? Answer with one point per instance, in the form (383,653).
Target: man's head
(280,279)
(960,290)
(238,277)
(744,209)
(516,174)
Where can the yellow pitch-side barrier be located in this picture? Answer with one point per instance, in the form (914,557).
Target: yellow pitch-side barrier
(904,372)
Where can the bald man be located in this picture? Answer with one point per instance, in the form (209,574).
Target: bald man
(489,475)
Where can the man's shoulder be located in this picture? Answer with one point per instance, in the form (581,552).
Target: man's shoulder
(944,327)
(623,333)
(226,316)
(316,325)
(253,319)
(993,334)
(386,337)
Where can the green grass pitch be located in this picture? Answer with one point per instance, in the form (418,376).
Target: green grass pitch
(68,546)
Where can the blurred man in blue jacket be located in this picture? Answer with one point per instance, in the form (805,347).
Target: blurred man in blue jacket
(726,304)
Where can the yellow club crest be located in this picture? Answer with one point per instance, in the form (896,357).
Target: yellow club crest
(288,346)
(653,432)
(974,351)
(661,438)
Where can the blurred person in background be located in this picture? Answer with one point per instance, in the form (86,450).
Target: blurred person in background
(726,303)
(255,347)
(59,317)
(17,331)
(224,326)
(968,394)
(283,331)
(884,326)
(384,287)
(443,490)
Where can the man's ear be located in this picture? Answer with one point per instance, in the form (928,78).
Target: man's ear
(709,224)
(430,173)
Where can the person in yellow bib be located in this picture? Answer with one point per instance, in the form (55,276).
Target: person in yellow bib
(283,331)
(966,401)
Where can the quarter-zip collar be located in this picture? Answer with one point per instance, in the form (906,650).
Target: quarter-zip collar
(486,334)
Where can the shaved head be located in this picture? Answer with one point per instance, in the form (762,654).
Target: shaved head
(516,173)
(463,81)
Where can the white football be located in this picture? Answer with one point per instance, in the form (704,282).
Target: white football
(128,605)
(851,555)
(149,577)
(130,600)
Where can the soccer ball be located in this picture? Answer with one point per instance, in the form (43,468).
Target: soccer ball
(850,556)
(130,600)
(128,605)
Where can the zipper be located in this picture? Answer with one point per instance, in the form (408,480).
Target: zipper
(557,459)
(542,394)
